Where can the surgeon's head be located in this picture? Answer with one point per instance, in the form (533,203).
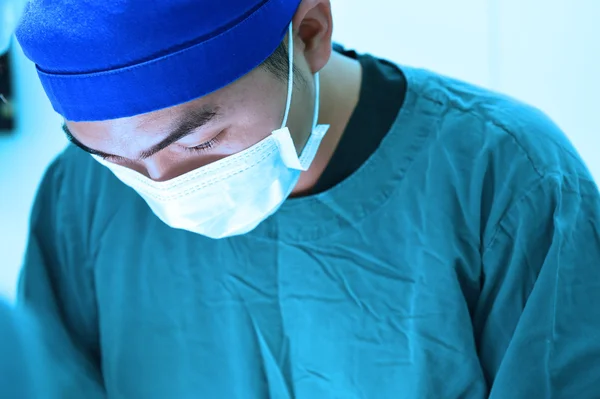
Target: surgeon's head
(132,96)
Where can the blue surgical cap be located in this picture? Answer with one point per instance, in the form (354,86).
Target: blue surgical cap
(108,59)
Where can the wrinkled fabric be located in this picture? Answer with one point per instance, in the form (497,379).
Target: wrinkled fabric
(460,261)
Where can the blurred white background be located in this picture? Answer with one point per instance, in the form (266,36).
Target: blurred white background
(545,52)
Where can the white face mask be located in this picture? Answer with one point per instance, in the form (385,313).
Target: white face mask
(233,195)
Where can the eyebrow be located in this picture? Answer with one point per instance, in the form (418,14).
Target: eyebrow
(193,120)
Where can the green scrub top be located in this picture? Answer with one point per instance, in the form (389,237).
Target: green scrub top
(460,260)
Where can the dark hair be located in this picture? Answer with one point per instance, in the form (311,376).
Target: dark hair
(278,64)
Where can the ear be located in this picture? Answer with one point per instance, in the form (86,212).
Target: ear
(313,25)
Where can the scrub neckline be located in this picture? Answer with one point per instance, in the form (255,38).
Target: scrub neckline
(345,205)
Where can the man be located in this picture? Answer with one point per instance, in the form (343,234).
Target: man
(331,227)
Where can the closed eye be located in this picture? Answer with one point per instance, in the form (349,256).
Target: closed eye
(207,146)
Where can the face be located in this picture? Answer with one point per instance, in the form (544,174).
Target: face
(170,142)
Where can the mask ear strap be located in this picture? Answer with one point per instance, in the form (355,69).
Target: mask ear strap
(317,100)
(288,102)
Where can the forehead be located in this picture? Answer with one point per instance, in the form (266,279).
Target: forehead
(256,94)
(147,123)
(258,85)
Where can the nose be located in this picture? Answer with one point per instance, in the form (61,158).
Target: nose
(159,169)
(162,167)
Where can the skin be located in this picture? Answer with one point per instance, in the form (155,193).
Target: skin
(249,110)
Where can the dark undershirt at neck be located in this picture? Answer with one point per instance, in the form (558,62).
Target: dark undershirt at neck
(382,94)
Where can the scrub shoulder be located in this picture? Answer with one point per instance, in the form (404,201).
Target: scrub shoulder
(499,180)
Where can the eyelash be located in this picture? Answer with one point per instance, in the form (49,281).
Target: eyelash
(109,158)
(206,146)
